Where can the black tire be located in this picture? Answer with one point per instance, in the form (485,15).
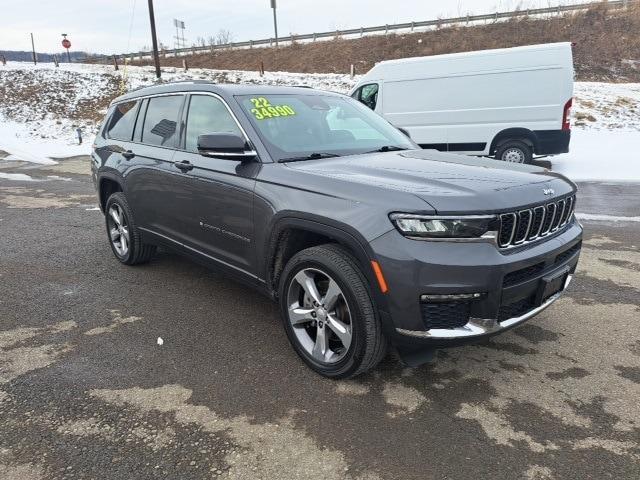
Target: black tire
(368,345)
(514,147)
(137,251)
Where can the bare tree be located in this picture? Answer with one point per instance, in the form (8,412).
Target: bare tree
(224,37)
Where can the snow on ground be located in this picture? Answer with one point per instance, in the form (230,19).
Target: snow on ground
(607,106)
(601,155)
(20,177)
(54,102)
(39,141)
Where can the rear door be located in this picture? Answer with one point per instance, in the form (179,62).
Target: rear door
(152,188)
(219,206)
(118,131)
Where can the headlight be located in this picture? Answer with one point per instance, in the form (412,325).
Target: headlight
(435,227)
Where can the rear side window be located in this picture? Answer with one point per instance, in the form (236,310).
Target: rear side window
(207,115)
(161,121)
(120,125)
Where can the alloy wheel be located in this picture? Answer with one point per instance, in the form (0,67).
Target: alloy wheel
(319,315)
(118,230)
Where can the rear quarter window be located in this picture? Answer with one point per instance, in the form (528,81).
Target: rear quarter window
(120,124)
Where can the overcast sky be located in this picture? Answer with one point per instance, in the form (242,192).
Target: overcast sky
(103,25)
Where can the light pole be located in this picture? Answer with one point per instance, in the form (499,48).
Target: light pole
(275,20)
(154,39)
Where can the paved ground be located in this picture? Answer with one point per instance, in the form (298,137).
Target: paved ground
(86,391)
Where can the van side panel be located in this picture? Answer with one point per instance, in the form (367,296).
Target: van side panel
(460,102)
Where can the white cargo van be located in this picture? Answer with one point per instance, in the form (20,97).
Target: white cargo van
(511,103)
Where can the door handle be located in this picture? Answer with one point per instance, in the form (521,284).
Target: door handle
(128,154)
(184,165)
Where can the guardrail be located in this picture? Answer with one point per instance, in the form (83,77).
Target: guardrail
(613,4)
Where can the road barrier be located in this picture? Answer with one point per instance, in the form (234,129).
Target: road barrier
(411,26)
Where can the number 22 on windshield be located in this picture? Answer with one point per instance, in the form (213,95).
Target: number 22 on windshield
(263,109)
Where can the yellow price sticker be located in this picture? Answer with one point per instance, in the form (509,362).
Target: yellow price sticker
(263,109)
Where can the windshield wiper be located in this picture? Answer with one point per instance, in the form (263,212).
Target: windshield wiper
(388,148)
(313,156)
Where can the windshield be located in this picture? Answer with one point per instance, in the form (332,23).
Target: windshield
(298,127)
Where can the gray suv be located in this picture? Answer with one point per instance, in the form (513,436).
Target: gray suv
(364,239)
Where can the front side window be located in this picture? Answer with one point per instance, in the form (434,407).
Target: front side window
(207,115)
(369,95)
(298,125)
(120,125)
(161,121)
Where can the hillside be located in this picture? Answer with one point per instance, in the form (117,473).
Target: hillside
(607,46)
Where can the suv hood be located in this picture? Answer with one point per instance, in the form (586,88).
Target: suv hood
(449,183)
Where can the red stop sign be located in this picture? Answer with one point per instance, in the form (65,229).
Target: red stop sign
(66,43)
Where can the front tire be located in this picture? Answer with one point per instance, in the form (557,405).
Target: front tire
(328,313)
(514,151)
(124,236)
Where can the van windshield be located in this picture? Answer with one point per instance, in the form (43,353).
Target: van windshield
(297,127)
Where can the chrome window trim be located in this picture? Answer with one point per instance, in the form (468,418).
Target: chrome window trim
(185,93)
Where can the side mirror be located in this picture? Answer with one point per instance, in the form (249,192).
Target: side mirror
(405,132)
(226,146)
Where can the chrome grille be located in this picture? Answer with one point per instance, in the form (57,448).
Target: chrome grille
(524,226)
(536,223)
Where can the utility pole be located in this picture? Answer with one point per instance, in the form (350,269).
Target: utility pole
(33,50)
(275,20)
(154,39)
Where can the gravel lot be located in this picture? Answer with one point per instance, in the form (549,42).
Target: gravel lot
(87,392)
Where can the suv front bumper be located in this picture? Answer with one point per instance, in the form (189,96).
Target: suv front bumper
(478,327)
(511,286)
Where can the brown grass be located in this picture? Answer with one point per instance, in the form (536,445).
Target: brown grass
(605,42)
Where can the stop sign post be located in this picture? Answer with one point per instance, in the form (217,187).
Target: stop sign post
(66,43)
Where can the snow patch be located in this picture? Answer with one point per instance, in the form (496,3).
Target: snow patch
(36,144)
(18,177)
(605,218)
(601,155)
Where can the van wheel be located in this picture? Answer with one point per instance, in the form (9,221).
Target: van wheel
(514,151)
(124,237)
(328,313)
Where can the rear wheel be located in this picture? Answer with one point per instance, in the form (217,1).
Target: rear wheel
(328,313)
(514,151)
(124,236)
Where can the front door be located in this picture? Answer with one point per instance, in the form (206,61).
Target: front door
(219,208)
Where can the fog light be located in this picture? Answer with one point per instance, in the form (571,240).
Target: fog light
(451,297)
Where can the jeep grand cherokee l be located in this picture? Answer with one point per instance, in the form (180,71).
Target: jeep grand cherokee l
(364,239)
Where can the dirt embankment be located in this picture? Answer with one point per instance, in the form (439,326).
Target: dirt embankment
(607,46)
